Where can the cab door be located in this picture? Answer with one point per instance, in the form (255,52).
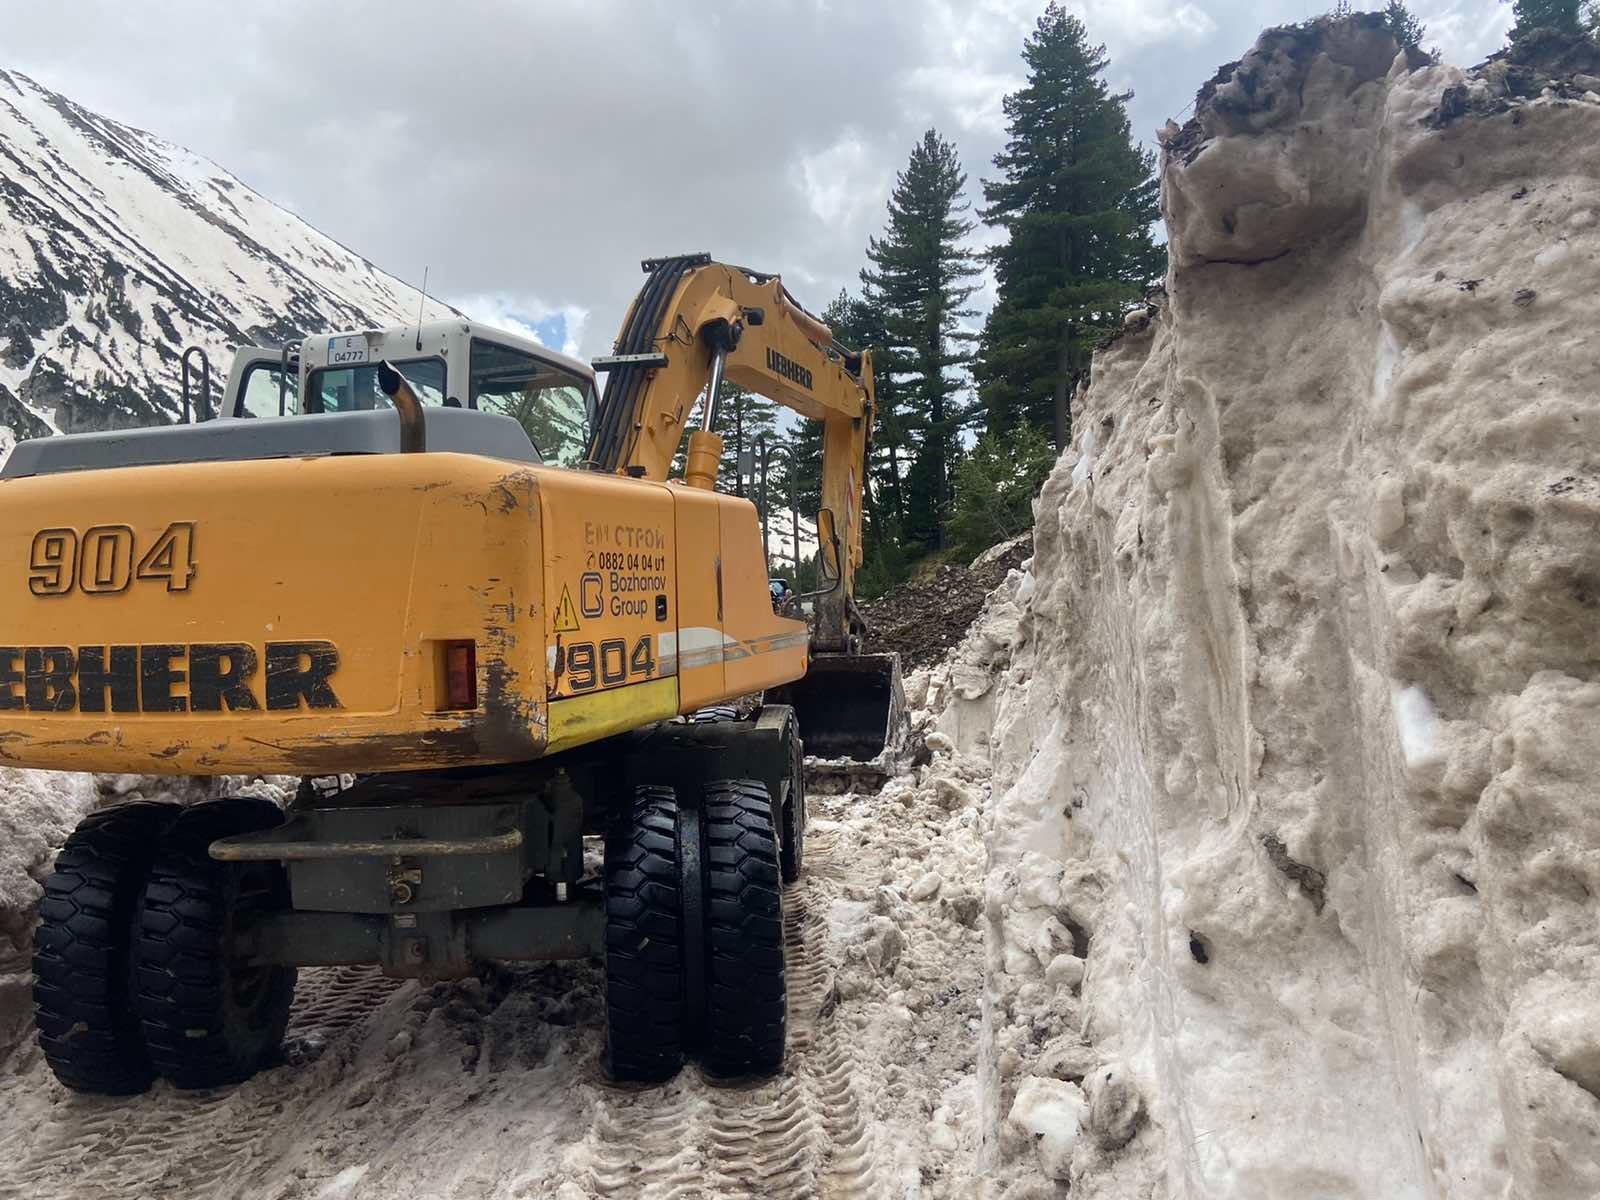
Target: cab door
(262,383)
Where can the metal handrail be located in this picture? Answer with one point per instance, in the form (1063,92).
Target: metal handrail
(283,379)
(203,401)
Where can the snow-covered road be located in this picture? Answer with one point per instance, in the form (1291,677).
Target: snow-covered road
(493,1087)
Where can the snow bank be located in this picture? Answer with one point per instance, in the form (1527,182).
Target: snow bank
(37,811)
(1293,881)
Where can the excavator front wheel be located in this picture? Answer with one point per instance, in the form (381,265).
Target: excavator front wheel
(645,939)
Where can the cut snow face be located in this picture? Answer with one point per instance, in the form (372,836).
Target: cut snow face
(1300,742)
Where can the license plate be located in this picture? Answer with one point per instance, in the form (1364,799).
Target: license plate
(344,351)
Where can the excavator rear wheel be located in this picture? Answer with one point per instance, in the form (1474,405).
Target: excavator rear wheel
(87,1028)
(208,1016)
(645,939)
(746,993)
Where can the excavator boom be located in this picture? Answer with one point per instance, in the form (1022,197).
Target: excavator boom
(696,322)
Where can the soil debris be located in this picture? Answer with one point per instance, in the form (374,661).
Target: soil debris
(925,618)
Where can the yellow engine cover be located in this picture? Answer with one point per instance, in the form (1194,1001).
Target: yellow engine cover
(300,615)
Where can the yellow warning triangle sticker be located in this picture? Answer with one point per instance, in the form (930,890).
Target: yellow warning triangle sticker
(566,615)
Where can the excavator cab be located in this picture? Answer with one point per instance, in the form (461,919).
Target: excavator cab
(448,364)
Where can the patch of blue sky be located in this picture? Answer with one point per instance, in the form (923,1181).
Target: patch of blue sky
(551,331)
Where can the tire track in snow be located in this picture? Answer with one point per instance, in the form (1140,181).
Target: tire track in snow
(339,999)
(801,1135)
(173,1143)
(641,1144)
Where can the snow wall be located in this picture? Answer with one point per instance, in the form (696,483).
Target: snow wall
(1294,856)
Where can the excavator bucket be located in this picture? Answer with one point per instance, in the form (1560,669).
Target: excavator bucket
(852,714)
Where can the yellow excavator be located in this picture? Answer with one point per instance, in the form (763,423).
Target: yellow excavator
(429,571)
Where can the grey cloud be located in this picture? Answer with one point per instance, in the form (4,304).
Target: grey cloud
(538,151)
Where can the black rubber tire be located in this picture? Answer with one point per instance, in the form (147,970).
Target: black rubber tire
(207,1019)
(82,1010)
(644,940)
(714,714)
(792,854)
(746,998)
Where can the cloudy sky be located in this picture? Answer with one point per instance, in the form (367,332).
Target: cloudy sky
(530,153)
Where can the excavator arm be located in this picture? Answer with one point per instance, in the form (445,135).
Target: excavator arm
(696,322)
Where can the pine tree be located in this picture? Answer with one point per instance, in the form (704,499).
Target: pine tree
(1076,199)
(1564,16)
(741,418)
(1407,30)
(860,325)
(996,485)
(919,280)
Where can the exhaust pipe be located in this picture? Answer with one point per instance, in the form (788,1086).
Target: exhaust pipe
(413,433)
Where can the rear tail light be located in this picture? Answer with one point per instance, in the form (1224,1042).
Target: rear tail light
(460,676)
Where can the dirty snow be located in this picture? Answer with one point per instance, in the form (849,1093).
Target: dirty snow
(1300,738)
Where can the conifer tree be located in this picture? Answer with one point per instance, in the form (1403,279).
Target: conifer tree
(1564,16)
(996,485)
(919,281)
(1076,198)
(859,324)
(1407,30)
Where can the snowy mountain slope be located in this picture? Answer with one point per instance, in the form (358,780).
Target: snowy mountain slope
(118,249)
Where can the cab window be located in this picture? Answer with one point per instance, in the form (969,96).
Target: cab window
(350,389)
(551,404)
(260,393)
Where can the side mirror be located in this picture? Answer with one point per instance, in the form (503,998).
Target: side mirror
(747,463)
